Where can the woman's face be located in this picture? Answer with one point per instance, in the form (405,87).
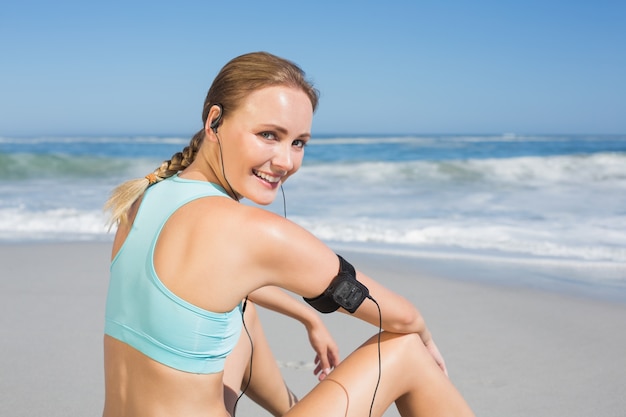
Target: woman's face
(263,141)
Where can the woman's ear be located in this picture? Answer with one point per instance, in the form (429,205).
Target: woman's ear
(213,121)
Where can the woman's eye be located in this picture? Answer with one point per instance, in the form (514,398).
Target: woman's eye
(268,135)
(299,143)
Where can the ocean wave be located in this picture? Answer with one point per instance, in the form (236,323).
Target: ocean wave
(571,169)
(521,240)
(17,224)
(24,166)
(93,140)
(370,140)
(459,138)
(543,205)
(599,168)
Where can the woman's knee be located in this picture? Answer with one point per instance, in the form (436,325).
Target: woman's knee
(404,350)
(398,341)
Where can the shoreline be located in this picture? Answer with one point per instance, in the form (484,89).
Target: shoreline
(555,275)
(512,350)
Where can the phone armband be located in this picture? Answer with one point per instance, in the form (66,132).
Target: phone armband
(344,291)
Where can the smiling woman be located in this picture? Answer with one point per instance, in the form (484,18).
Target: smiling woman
(187,257)
(267,134)
(242,77)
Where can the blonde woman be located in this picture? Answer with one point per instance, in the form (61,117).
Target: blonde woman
(186,253)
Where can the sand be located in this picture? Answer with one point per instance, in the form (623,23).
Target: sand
(512,350)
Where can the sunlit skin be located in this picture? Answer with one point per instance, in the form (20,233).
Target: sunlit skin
(261,143)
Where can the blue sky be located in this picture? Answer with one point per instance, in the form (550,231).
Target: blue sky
(139,67)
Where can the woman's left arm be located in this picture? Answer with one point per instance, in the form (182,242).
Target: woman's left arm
(327,352)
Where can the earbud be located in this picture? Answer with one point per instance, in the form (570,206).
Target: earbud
(216,122)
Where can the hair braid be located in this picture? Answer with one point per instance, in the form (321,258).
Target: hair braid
(124,195)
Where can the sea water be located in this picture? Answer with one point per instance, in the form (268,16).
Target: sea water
(557,199)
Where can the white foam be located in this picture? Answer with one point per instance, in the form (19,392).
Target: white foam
(17,224)
(522,171)
(516,240)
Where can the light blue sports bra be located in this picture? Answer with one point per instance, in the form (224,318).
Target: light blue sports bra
(143,313)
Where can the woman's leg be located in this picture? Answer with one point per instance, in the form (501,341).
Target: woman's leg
(267,387)
(410,378)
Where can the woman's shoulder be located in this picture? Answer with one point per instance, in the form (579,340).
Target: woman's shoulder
(249,227)
(226,209)
(222,216)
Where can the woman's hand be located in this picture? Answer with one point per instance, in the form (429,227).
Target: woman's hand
(327,352)
(434,352)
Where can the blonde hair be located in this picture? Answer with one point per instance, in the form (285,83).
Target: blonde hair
(235,81)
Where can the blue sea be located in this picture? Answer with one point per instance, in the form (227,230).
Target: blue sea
(550,200)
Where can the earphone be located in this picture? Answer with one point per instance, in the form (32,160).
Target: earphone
(216,122)
(214,125)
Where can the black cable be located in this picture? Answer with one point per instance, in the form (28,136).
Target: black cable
(380,368)
(284,201)
(243,310)
(245,302)
(219,144)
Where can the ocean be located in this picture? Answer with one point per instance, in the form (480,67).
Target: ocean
(534,199)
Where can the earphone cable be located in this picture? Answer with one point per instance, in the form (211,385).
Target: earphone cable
(284,201)
(380,370)
(232,190)
(243,310)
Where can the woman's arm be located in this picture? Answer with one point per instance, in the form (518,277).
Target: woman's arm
(273,251)
(292,258)
(398,314)
(407,319)
(327,352)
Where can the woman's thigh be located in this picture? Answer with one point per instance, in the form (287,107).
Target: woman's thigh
(351,388)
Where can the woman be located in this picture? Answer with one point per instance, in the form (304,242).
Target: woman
(186,254)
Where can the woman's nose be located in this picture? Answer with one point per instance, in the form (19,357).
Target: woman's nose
(283,158)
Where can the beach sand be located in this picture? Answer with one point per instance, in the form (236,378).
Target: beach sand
(511,350)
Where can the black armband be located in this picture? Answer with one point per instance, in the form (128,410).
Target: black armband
(344,291)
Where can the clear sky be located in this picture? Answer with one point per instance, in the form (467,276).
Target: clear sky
(386,66)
